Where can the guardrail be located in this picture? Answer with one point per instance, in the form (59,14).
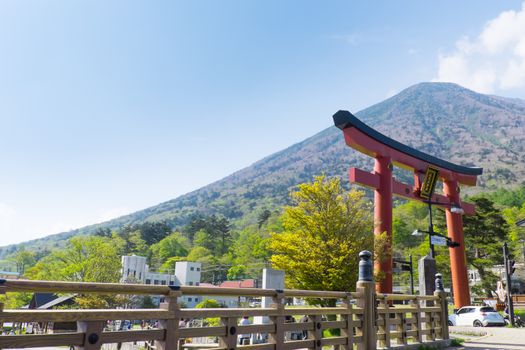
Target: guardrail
(356,318)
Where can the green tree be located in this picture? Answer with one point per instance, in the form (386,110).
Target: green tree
(103,232)
(153,232)
(130,242)
(484,235)
(263,217)
(22,259)
(149,232)
(16,300)
(211,232)
(236,272)
(85,258)
(199,254)
(406,218)
(507,197)
(248,250)
(174,245)
(516,234)
(324,231)
(210,304)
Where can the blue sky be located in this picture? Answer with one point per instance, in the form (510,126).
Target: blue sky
(108,107)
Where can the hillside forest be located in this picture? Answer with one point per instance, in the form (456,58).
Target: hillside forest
(321,209)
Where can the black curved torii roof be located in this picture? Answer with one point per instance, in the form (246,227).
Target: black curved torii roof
(345,119)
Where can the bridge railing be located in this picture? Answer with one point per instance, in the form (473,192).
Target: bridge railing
(362,318)
(420,319)
(92,332)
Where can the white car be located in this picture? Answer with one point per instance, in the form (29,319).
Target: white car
(477,316)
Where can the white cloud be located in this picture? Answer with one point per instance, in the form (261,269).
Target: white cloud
(494,60)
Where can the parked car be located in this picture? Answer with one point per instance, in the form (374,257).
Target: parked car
(477,316)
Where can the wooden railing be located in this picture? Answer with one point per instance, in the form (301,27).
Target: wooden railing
(354,321)
(421,319)
(518,299)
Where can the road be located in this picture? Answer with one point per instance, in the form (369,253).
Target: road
(494,338)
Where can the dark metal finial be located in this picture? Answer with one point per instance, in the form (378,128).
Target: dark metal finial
(365,266)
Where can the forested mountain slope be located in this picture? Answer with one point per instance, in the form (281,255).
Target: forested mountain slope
(443,119)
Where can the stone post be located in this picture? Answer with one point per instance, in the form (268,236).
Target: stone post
(427,271)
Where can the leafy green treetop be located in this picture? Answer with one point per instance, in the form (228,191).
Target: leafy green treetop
(85,259)
(324,231)
(484,235)
(174,245)
(22,259)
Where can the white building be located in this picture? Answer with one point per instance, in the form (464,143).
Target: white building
(189,274)
(135,270)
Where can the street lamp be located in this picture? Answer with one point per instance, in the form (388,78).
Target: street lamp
(457,210)
(418,233)
(444,239)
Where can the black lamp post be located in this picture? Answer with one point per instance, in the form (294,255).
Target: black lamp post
(450,243)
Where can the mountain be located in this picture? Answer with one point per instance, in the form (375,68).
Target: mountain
(442,119)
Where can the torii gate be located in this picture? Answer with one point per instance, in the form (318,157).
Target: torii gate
(388,152)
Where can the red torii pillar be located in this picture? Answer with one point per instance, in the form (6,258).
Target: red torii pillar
(388,152)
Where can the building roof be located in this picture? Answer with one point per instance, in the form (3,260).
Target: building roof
(48,300)
(57,301)
(9,273)
(204,284)
(40,299)
(248,283)
(521,223)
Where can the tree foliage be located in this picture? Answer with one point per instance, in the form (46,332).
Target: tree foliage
(324,231)
(484,235)
(507,197)
(86,259)
(174,245)
(212,233)
(22,259)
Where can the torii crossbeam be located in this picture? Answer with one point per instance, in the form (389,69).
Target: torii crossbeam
(388,152)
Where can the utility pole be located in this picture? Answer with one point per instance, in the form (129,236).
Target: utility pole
(508,273)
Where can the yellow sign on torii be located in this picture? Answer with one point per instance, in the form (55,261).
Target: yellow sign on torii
(429,183)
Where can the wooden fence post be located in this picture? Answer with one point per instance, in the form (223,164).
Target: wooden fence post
(92,331)
(229,341)
(171,325)
(348,332)
(417,315)
(366,285)
(385,343)
(440,292)
(277,338)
